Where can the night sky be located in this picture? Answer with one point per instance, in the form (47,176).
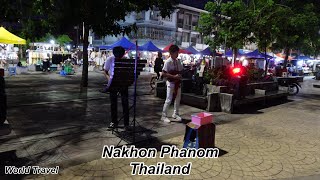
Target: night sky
(194,3)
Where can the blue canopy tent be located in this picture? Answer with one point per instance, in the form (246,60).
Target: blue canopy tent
(124,42)
(192,50)
(257,55)
(149,46)
(230,54)
(268,56)
(305,58)
(207,52)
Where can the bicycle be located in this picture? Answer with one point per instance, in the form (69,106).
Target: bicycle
(153,81)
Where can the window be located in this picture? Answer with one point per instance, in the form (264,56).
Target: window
(196,39)
(185,37)
(187,21)
(140,16)
(167,18)
(180,19)
(154,15)
(156,34)
(195,19)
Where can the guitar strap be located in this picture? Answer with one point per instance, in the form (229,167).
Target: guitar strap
(177,83)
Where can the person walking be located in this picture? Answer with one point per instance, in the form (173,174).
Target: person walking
(172,71)
(158,65)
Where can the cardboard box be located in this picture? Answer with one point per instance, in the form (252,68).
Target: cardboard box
(202,118)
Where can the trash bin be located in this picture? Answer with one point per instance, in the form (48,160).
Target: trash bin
(3,101)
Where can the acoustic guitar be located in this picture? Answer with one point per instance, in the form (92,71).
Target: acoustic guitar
(177,82)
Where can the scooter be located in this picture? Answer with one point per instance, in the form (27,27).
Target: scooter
(292,84)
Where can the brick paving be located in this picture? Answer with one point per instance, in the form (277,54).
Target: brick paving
(272,145)
(278,142)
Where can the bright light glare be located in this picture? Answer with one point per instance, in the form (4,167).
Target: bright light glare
(52,41)
(236,70)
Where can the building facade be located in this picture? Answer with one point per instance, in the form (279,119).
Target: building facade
(187,21)
(178,28)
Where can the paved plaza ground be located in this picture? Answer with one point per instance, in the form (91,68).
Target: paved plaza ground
(53,122)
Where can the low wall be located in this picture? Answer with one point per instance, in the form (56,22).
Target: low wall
(268,86)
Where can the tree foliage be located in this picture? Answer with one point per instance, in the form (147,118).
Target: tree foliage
(104,17)
(277,24)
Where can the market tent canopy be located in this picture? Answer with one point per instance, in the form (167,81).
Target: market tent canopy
(207,51)
(303,58)
(7,37)
(257,55)
(182,51)
(192,50)
(230,54)
(123,42)
(149,46)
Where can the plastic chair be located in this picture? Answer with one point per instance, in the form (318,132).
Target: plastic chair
(12,71)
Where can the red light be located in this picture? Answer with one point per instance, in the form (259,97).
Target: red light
(236,71)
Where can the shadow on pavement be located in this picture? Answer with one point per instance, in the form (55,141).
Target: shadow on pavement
(5,129)
(255,108)
(9,158)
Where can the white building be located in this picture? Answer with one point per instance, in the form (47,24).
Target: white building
(178,28)
(187,21)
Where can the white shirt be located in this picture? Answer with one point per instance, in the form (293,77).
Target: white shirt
(2,62)
(109,65)
(172,65)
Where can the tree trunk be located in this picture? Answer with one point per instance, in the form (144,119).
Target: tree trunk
(267,61)
(235,54)
(84,80)
(287,50)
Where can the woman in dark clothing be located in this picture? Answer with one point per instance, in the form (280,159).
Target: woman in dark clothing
(158,64)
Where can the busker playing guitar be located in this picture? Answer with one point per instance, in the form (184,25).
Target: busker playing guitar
(172,70)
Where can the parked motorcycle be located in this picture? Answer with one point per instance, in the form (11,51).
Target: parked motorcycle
(290,82)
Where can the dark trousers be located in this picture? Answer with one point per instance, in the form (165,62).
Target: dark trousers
(3,101)
(114,105)
(158,74)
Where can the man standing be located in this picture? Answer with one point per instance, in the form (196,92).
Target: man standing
(172,70)
(158,64)
(118,53)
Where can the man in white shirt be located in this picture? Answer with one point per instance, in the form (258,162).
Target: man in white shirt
(118,53)
(172,70)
